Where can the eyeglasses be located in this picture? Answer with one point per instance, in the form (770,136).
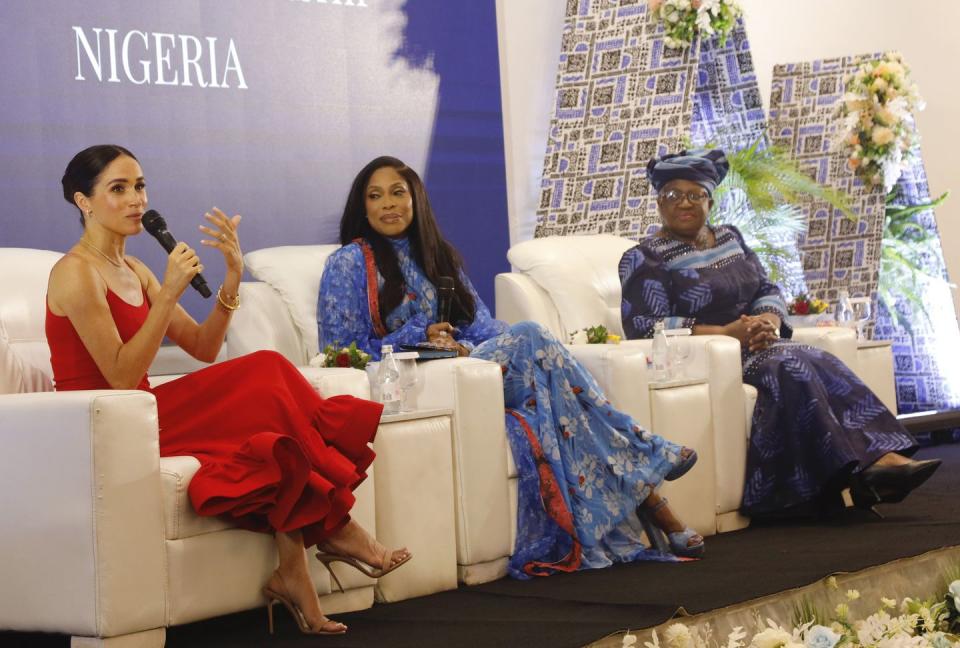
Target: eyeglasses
(675,196)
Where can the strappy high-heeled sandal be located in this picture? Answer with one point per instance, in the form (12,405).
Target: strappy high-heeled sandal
(675,542)
(273,597)
(682,468)
(327,557)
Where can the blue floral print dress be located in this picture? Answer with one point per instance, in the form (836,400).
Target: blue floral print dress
(583,466)
(815,422)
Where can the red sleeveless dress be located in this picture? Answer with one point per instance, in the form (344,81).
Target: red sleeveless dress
(274,455)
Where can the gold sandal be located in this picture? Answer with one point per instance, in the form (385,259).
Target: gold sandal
(273,597)
(327,557)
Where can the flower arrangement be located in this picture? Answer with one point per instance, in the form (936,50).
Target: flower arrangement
(932,623)
(349,356)
(684,19)
(803,305)
(594,335)
(877,110)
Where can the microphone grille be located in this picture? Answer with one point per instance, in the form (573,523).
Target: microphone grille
(153,222)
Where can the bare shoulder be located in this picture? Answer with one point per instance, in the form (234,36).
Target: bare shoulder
(73,279)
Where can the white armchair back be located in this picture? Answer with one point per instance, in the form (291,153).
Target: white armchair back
(292,274)
(579,273)
(24,354)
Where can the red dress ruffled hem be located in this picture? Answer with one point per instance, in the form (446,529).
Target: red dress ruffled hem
(275,456)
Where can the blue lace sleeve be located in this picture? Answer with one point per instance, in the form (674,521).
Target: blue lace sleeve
(343,313)
(484,326)
(645,285)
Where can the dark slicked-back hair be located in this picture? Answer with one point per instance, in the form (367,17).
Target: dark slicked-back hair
(85,168)
(435,256)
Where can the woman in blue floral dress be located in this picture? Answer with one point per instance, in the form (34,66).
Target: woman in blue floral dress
(583,466)
(816,427)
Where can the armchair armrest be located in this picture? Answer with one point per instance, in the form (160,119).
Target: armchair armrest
(841,342)
(337,381)
(82,538)
(520,299)
(621,372)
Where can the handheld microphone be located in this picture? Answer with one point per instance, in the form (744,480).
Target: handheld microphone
(446,295)
(157,227)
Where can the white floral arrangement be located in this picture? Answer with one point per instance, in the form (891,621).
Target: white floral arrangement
(683,20)
(877,110)
(911,623)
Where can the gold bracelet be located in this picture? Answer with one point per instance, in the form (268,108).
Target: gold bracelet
(230,307)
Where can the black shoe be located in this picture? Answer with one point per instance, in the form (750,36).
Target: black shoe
(889,484)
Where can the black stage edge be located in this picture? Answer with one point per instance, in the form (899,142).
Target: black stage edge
(576,609)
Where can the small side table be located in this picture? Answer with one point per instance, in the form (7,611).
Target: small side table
(413,478)
(875,369)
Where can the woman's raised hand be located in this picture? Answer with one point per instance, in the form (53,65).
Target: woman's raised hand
(183,264)
(224,238)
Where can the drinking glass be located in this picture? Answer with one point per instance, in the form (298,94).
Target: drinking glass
(862,309)
(408,380)
(680,348)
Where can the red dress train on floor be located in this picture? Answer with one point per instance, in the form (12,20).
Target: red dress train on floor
(274,455)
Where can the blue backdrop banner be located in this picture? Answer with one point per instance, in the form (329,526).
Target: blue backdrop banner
(264,108)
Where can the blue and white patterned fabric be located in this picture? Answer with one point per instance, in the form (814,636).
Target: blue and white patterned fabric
(343,314)
(603,462)
(815,421)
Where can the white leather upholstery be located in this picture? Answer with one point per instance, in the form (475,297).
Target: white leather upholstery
(576,272)
(24,357)
(419,511)
(874,367)
(100,540)
(294,271)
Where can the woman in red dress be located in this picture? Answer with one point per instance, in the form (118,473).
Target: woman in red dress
(275,457)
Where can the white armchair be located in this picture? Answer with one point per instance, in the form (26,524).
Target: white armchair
(279,313)
(99,540)
(568,283)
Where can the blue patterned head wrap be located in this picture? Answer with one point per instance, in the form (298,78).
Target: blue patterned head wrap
(707,169)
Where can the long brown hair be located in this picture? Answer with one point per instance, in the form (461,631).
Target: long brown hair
(435,256)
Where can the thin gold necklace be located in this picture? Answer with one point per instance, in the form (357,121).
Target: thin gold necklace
(118,264)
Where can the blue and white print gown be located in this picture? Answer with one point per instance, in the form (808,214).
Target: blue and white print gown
(815,421)
(583,466)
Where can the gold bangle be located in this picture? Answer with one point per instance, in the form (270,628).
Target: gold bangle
(230,307)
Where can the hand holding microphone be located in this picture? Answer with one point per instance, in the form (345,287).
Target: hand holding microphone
(182,260)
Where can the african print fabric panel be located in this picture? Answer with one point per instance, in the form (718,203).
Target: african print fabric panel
(624,97)
(837,252)
(925,340)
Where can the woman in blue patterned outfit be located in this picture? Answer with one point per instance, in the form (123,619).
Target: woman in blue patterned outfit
(816,427)
(583,466)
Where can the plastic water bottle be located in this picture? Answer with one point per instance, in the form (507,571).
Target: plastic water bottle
(661,353)
(388,381)
(844,313)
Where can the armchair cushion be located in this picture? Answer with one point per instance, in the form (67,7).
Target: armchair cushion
(17,375)
(294,271)
(580,275)
(24,355)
